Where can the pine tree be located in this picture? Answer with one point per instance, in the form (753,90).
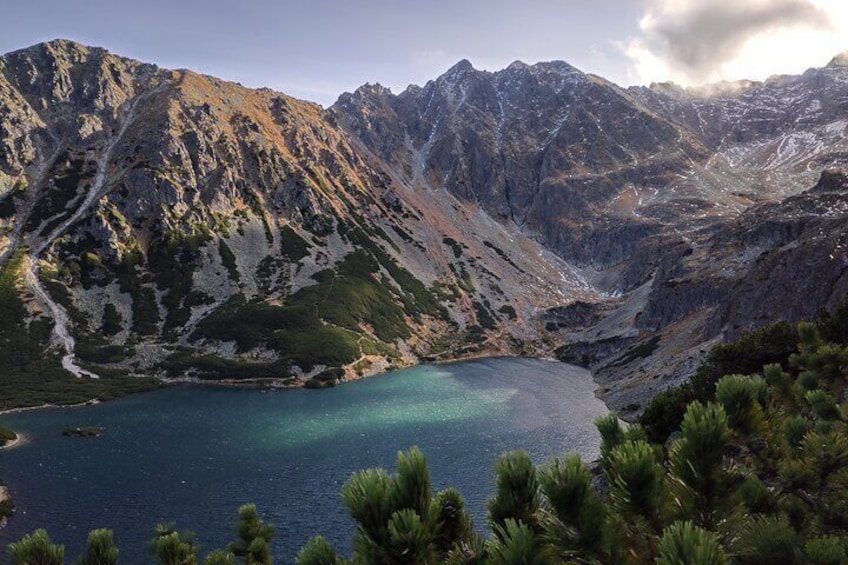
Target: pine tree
(452,524)
(174,548)
(516,491)
(684,543)
(220,558)
(254,537)
(318,551)
(699,485)
(516,543)
(101,549)
(36,549)
(574,513)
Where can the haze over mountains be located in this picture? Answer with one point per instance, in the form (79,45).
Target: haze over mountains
(188,225)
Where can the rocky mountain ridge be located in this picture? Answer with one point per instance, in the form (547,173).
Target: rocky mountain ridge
(167,222)
(172,222)
(649,191)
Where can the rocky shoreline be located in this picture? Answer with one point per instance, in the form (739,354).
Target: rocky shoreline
(5,500)
(296,383)
(17,442)
(91,402)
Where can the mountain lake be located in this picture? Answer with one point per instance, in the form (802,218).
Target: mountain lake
(191,455)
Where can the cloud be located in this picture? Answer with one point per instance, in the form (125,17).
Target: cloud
(696,41)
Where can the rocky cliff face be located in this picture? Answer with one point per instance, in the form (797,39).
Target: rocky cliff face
(681,206)
(775,261)
(173,222)
(554,151)
(169,222)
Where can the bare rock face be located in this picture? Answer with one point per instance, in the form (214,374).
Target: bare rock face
(544,147)
(776,261)
(206,229)
(171,222)
(683,208)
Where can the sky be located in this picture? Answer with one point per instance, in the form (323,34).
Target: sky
(317,49)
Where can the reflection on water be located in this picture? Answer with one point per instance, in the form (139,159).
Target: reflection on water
(193,455)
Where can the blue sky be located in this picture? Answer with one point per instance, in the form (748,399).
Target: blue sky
(316,49)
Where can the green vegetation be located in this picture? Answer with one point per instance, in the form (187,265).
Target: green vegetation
(455,246)
(54,202)
(21,347)
(352,295)
(484,315)
(229,260)
(326,379)
(319,324)
(508,311)
(172,260)
(169,546)
(213,367)
(32,374)
(771,344)
(112,322)
(415,297)
(7,206)
(36,549)
(502,255)
(101,549)
(7,436)
(95,352)
(292,245)
(640,351)
(294,331)
(7,508)
(145,311)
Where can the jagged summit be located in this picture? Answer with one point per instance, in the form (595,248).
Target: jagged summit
(58,44)
(462,66)
(840,60)
(556,66)
(375,89)
(68,51)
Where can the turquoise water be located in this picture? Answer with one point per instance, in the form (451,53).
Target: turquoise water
(193,455)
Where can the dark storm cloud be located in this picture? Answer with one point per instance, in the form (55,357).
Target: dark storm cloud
(696,37)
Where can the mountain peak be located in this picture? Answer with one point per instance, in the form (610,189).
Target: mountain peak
(62,43)
(375,89)
(840,60)
(58,45)
(462,66)
(560,67)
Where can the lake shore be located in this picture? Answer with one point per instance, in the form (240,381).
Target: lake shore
(200,446)
(17,442)
(91,402)
(299,383)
